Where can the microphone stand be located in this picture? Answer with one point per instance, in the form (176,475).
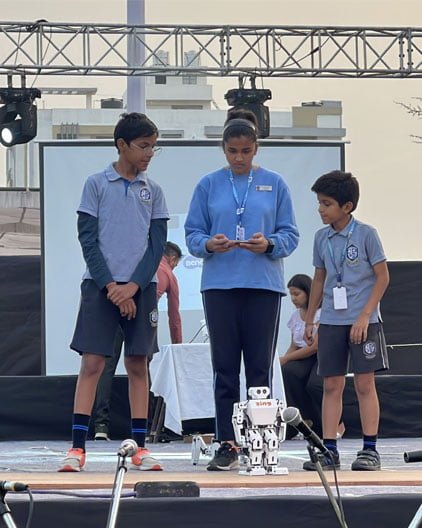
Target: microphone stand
(318,467)
(117,491)
(5,511)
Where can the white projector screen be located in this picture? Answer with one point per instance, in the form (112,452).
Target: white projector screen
(64,167)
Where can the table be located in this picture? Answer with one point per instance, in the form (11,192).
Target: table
(182,376)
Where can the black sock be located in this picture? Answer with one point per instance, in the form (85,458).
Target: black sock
(80,430)
(139,430)
(331,444)
(370,442)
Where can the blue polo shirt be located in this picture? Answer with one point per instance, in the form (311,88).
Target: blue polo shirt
(363,249)
(124,210)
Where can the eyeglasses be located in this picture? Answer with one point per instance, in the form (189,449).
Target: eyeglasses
(148,149)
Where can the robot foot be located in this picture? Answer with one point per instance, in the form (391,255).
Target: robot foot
(253,471)
(275,470)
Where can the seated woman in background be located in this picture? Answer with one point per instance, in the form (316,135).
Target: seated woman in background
(299,363)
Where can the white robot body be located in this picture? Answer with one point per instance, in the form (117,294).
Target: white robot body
(262,412)
(259,429)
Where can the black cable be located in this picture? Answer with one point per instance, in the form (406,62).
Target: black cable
(82,495)
(300,59)
(34,27)
(197,333)
(339,500)
(18,46)
(336,504)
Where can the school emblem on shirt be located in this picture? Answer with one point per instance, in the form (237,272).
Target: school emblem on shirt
(145,194)
(153,318)
(369,349)
(352,254)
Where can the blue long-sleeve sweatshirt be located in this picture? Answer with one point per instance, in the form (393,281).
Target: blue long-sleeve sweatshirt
(268,210)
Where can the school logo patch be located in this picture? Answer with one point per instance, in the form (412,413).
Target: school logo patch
(369,349)
(145,194)
(352,254)
(153,318)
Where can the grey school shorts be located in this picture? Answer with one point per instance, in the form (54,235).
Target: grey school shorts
(337,355)
(98,321)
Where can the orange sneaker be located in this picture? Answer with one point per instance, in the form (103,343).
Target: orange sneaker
(143,460)
(74,461)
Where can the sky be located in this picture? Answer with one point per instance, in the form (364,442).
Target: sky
(380,152)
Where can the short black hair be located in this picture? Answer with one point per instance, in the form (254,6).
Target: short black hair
(302,282)
(240,122)
(132,126)
(342,186)
(173,250)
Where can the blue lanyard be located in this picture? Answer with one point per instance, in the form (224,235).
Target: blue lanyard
(339,270)
(240,206)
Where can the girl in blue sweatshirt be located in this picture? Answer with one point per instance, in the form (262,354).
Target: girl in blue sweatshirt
(241,222)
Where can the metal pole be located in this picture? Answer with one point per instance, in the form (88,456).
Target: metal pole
(330,495)
(135,94)
(5,512)
(117,491)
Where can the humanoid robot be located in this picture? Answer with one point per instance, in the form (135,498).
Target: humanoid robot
(259,429)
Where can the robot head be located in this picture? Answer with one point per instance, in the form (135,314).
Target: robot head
(258,393)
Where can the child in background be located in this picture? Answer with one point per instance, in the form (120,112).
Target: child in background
(299,363)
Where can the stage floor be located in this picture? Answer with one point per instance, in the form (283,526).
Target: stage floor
(35,463)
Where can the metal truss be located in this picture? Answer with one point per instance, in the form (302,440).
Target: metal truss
(44,48)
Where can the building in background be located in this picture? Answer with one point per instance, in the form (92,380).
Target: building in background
(182,107)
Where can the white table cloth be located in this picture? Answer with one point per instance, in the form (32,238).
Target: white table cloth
(182,376)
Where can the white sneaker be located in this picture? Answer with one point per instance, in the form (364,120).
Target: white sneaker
(143,460)
(74,461)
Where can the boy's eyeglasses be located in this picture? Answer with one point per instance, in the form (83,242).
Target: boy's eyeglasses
(147,149)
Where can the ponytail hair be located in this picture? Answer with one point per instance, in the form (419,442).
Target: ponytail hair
(240,122)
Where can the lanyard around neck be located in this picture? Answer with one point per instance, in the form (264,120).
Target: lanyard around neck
(339,269)
(240,206)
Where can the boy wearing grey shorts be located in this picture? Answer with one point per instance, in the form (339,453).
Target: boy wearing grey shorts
(351,276)
(122,229)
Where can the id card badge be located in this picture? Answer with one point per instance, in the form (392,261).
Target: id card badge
(240,233)
(340,298)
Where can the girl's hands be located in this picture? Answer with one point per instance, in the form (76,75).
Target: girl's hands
(221,244)
(256,244)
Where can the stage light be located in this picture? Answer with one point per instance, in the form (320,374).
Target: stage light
(252,99)
(6,136)
(18,115)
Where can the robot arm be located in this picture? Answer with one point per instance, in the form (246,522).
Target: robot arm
(240,423)
(280,425)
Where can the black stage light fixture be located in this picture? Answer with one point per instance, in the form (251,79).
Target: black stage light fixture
(18,115)
(252,99)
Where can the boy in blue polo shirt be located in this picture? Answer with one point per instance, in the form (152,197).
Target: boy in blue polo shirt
(351,276)
(122,228)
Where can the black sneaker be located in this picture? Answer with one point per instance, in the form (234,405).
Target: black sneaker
(367,460)
(225,458)
(101,432)
(327,462)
